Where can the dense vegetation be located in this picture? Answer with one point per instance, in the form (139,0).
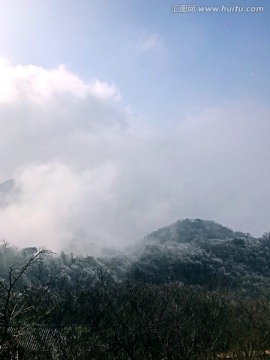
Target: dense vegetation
(193,290)
(198,252)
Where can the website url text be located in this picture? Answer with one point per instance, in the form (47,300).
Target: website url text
(181,8)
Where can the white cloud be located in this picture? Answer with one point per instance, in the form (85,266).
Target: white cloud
(153,43)
(87,173)
(38,84)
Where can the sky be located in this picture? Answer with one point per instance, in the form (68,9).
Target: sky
(120,117)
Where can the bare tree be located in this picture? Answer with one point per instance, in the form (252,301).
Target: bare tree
(14,301)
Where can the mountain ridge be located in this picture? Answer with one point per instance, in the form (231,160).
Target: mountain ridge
(189,230)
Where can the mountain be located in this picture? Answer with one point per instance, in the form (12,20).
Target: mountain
(7,186)
(202,252)
(190,230)
(8,191)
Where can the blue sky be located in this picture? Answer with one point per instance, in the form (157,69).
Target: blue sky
(154,116)
(182,62)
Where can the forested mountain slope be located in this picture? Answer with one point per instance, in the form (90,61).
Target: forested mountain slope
(191,290)
(190,230)
(203,253)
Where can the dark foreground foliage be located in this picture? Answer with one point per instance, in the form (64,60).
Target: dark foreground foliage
(159,304)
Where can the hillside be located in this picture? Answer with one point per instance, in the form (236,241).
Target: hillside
(194,288)
(201,252)
(190,230)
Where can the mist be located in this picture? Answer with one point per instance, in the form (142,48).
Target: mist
(89,172)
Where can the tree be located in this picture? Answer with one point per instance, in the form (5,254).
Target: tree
(15,300)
